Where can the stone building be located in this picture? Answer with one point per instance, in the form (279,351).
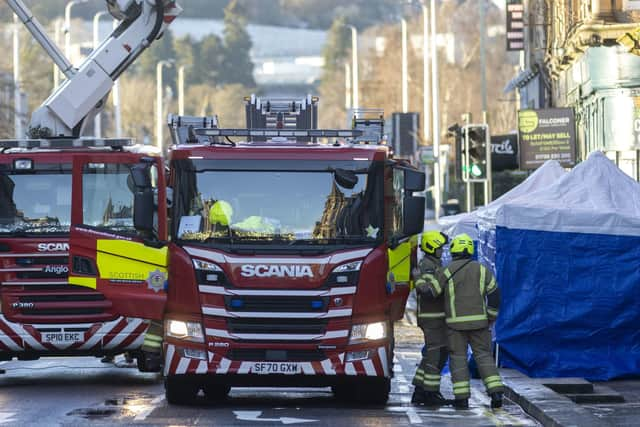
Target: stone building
(582,54)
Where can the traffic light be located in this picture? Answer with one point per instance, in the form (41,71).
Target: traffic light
(477,147)
(455,131)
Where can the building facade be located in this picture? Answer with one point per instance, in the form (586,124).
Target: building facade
(583,54)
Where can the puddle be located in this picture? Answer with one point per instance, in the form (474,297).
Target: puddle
(93,413)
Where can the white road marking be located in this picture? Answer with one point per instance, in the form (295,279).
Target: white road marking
(410,412)
(142,415)
(7,417)
(254,416)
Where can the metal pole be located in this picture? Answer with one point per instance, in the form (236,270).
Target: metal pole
(347,86)
(181,90)
(354,67)
(159,104)
(483,54)
(17,93)
(436,113)
(67,25)
(426,128)
(405,69)
(115,93)
(96,42)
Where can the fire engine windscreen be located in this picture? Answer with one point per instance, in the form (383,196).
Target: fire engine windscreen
(289,202)
(36,200)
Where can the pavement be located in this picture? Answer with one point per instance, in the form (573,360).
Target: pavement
(76,391)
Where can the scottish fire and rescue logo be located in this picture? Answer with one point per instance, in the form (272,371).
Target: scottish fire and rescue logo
(157,280)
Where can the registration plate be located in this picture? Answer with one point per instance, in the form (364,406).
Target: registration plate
(281,368)
(62,338)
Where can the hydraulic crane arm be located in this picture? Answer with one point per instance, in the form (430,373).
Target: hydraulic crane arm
(84,93)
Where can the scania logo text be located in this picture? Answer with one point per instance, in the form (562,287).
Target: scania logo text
(53,247)
(260,270)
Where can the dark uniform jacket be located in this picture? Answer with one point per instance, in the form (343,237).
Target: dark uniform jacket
(430,307)
(471,295)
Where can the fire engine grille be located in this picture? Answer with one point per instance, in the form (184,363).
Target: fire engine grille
(41,275)
(26,261)
(61,302)
(276,304)
(276,355)
(277,326)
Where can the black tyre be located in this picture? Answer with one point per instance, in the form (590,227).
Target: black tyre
(367,392)
(216,392)
(180,391)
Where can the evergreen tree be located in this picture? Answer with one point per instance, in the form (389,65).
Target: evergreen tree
(209,60)
(160,50)
(237,67)
(338,44)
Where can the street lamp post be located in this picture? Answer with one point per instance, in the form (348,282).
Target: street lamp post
(181,71)
(17,93)
(159,102)
(355,102)
(347,86)
(426,90)
(436,119)
(405,69)
(67,25)
(96,42)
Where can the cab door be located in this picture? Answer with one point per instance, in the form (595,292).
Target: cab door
(119,231)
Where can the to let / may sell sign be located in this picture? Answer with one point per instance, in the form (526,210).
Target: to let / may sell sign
(548,134)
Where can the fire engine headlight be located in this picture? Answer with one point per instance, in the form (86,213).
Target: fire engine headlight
(199,264)
(348,267)
(345,274)
(190,331)
(368,332)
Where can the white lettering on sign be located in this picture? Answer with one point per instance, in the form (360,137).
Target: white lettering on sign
(504,147)
(53,247)
(57,269)
(261,270)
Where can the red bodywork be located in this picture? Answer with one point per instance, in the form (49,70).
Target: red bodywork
(277,329)
(41,314)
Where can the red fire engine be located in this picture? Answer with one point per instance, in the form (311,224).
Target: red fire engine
(42,311)
(279,253)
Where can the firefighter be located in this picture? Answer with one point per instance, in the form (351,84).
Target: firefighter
(431,321)
(471,301)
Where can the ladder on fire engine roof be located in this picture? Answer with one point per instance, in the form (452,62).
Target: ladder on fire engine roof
(281,113)
(65,143)
(183,128)
(371,122)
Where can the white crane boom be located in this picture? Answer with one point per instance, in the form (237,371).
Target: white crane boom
(84,93)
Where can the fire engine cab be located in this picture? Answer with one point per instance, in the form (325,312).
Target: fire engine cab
(280,239)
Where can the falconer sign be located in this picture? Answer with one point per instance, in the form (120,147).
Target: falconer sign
(548,134)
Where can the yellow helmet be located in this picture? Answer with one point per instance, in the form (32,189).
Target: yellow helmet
(432,240)
(462,244)
(220,213)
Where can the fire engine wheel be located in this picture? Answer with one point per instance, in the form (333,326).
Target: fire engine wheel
(216,392)
(368,391)
(180,391)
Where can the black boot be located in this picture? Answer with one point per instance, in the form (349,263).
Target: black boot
(461,403)
(434,398)
(418,396)
(496,400)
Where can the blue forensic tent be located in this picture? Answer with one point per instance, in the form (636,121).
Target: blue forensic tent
(568,265)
